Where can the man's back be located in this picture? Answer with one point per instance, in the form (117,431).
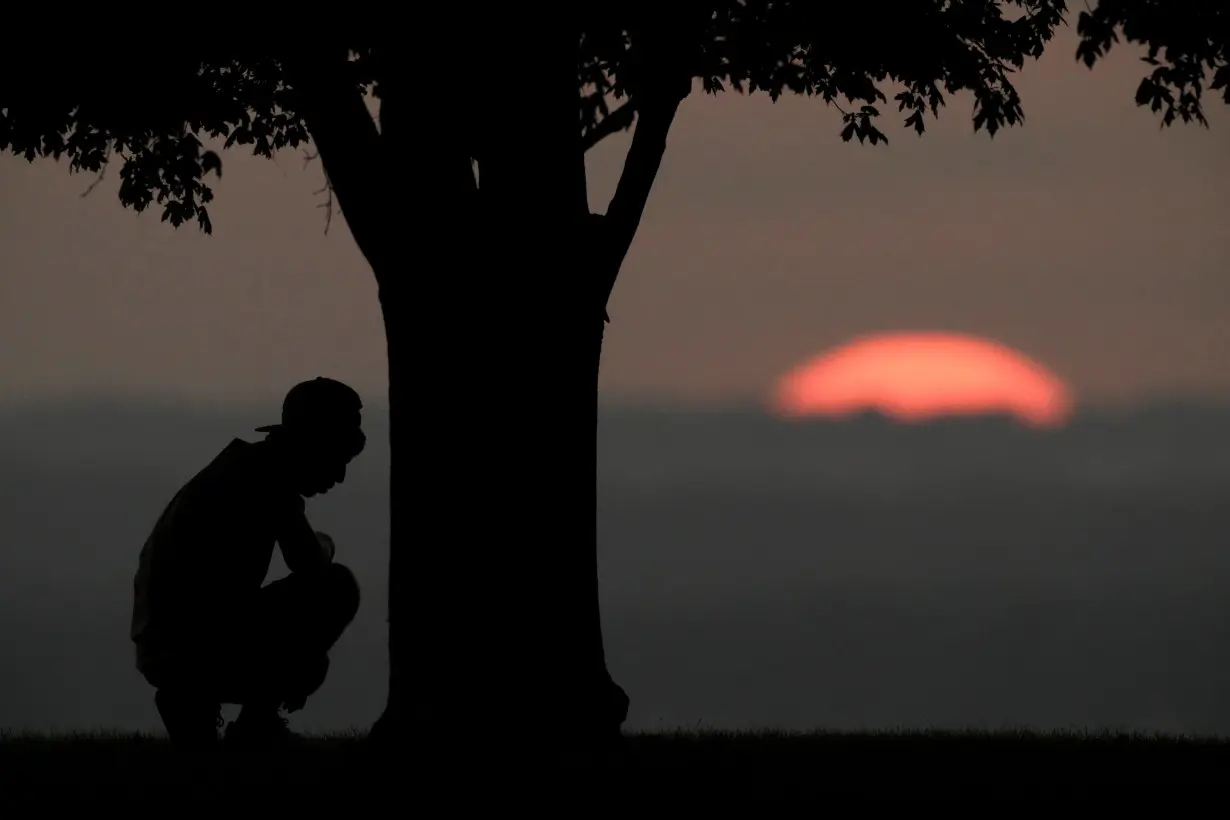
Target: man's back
(209,550)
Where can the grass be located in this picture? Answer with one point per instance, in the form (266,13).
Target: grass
(769,764)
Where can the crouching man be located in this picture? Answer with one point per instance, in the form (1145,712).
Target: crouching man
(207,629)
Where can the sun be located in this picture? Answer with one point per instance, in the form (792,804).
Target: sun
(917,376)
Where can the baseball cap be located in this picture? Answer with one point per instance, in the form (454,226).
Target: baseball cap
(321,407)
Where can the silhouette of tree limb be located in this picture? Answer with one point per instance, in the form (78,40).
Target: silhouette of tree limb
(347,141)
(623,214)
(102,171)
(620,119)
(661,66)
(308,157)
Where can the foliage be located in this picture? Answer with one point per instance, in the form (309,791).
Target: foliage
(1187,41)
(92,105)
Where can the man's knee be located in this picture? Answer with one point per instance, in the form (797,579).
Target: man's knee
(342,591)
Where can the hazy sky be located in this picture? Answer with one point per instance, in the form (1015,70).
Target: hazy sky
(1089,239)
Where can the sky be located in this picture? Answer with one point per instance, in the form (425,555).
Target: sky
(1089,239)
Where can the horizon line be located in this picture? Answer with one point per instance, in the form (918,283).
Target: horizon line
(620,404)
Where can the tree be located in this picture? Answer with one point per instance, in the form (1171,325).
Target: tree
(467,196)
(1188,45)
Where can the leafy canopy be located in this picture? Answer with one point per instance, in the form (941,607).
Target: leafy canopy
(96,104)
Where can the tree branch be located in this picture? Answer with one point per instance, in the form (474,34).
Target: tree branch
(618,120)
(623,215)
(102,171)
(348,143)
(327,190)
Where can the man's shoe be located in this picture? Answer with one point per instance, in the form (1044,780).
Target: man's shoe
(259,731)
(191,722)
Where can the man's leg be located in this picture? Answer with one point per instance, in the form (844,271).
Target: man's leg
(191,721)
(297,620)
(188,701)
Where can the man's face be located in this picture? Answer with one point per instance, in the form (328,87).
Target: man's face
(320,475)
(321,465)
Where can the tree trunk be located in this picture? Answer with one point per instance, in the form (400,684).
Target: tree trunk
(494,630)
(494,619)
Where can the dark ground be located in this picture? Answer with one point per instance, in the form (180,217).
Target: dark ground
(757,766)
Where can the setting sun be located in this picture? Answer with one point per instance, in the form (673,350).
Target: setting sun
(923,375)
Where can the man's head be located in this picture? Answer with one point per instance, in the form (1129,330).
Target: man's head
(320,433)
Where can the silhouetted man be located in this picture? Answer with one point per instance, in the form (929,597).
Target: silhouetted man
(206,631)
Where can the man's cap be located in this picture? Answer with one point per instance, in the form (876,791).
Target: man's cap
(320,406)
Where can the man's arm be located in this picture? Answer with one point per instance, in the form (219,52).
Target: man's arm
(326,544)
(302,550)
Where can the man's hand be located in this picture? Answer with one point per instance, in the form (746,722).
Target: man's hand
(326,546)
(304,549)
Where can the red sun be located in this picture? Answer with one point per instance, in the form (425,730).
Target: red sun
(923,375)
